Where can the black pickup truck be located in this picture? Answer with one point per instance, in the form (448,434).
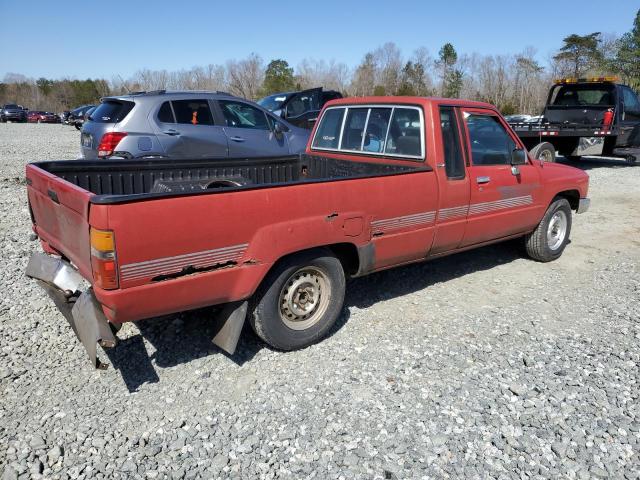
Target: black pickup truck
(299,108)
(586,116)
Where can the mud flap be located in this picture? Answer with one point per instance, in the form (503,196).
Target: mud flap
(229,324)
(92,327)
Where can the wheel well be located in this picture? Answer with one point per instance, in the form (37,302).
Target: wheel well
(347,253)
(573,196)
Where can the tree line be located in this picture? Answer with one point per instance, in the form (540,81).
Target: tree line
(514,83)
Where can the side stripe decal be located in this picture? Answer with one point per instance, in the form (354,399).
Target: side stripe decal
(389,224)
(418,219)
(168,265)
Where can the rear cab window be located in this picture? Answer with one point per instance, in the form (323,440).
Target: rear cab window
(111,111)
(388,130)
(582,95)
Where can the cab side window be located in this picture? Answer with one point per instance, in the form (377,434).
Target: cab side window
(242,115)
(490,142)
(195,112)
(453,159)
(165,114)
(631,103)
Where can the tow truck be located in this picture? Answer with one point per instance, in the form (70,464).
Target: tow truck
(596,116)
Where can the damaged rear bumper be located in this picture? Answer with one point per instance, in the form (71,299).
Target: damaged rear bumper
(84,313)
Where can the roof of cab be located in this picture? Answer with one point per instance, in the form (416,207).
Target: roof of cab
(409,101)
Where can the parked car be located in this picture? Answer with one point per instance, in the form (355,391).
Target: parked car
(517,118)
(76,117)
(64,116)
(38,116)
(384,181)
(87,114)
(12,113)
(299,108)
(534,119)
(586,116)
(187,125)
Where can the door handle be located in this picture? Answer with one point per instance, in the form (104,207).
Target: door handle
(172,132)
(481,180)
(237,139)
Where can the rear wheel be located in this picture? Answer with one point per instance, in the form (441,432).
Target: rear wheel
(549,239)
(544,151)
(299,300)
(78,126)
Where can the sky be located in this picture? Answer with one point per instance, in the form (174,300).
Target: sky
(96,39)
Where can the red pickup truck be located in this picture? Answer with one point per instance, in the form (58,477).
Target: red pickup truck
(384,181)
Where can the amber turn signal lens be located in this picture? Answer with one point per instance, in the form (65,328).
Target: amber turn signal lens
(103,259)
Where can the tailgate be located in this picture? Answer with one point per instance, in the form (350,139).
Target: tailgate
(61,216)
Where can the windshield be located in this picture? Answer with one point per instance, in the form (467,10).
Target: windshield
(273,102)
(11,105)
(578,95)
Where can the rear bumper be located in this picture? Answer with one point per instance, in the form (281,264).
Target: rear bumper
(583,205)
(84,313)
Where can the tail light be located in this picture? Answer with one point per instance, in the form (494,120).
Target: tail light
(109,142)
(103,259)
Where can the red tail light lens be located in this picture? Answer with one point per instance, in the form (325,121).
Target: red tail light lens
(109,142)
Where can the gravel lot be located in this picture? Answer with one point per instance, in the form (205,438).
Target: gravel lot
(480,365)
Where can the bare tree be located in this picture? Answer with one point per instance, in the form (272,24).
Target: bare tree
(244,77)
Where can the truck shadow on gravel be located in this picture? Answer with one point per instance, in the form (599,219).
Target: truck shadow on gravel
(589,163)
(185,337)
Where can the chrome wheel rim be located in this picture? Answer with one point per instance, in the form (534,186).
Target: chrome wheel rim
(546,156)
(304,298)
(557,230)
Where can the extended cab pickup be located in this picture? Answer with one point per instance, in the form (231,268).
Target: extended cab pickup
(385,181)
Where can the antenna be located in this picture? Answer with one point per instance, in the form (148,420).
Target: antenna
(124,84)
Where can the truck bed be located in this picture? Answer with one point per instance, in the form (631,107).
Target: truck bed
(116,181)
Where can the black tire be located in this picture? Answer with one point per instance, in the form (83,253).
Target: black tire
(541,244)
(317,271)
(78,127)
(544,151)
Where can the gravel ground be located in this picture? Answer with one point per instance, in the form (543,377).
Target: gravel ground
(480,365)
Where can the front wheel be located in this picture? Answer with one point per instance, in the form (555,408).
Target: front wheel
(549,239)
(299,301)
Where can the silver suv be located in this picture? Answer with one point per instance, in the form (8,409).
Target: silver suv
(186,125)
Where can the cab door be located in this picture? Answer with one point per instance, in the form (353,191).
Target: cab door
(453,182)
(504,200)
(249,132)
(630,119)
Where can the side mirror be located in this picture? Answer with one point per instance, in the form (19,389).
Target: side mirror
(518,157)
(278,130)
